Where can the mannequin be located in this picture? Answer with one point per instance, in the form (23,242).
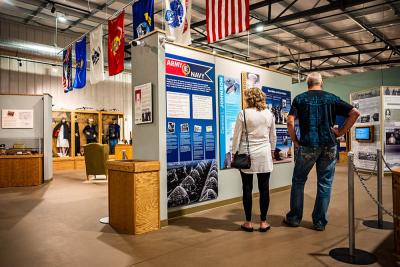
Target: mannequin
(90,132)
(63,133)
(113,135)
(77,138)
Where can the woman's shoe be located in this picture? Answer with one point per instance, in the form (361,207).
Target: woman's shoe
(246,229)
(263,230)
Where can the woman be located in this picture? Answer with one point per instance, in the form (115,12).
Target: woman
(262,141)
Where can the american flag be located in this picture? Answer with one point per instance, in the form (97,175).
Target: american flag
(226,17)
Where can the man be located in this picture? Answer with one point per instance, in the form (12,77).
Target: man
(316,112)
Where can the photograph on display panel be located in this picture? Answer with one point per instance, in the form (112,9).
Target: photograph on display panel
(283,150)
(392,126)
(230,104)
(278,102)
(192,171)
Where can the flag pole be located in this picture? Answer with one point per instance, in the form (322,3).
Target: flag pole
(101,23)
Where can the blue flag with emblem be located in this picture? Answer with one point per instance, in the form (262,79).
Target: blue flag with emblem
(143,17)
(80,59)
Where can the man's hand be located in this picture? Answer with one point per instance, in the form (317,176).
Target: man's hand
(337,132)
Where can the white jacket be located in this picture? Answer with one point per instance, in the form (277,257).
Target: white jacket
(262,139)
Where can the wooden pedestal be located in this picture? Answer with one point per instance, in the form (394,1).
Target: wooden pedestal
(120,147)
(21,170)
(134,196)
(396,209)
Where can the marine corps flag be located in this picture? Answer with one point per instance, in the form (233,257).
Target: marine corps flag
(96,56)
(80,59)
(143,17)
(67,70)
(116,43)
(177,18)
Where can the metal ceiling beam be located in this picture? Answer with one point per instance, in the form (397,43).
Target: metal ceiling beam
(306,13)
(330,56)
(386,62)
(395,8)
(37,11)
(374,33)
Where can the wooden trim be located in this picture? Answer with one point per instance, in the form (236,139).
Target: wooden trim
(22,94)
(179,213)
(21,156)
(228,58)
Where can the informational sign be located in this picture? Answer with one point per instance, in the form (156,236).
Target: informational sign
(17,118)
(230,100)
(143,104)
(191,131)
(369,104)
(278,102)
(391,107)
(283,150)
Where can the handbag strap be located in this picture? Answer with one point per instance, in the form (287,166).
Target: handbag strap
(247,135)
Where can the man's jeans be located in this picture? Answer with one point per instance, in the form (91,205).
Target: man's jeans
(305,158)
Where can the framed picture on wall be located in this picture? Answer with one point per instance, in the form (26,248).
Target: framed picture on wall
(143,103)
(17,119)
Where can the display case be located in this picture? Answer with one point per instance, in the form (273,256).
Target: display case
(61,136)
(112,125)
(85,126)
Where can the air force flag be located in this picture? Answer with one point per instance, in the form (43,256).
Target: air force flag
(143,17)
(96,56)
(80,58)
(177,19)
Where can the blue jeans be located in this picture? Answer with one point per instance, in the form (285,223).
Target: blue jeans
(305,158)
(112,143)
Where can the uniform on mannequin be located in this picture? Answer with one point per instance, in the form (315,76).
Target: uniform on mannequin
(90,132)
(62,132)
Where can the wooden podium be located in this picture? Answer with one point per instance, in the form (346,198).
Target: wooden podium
(396,209)
(134,196)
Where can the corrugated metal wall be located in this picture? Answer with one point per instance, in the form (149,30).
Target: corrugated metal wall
(26,77)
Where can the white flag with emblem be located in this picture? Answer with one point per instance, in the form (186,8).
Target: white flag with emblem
(96,56)
(177,20)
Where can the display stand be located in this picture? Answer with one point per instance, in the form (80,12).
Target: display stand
(79,118)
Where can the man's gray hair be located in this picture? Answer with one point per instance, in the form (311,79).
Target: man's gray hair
(314,78)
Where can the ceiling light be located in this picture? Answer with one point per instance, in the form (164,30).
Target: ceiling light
(61,17)
(53,8)
(259,28)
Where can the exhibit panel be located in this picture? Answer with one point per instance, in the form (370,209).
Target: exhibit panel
(391,136)
(366,133)
(377,127)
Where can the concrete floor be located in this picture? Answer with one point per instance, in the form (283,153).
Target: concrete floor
(57,225)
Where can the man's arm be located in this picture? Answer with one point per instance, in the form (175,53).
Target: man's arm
(291,130)
(351,119)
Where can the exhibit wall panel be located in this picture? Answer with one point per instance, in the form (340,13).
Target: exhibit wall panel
(39,78)
(229,181)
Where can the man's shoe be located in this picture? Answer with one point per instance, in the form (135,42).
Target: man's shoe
(319,228)
(290,224)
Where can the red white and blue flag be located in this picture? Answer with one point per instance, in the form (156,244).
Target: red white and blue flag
(226,17)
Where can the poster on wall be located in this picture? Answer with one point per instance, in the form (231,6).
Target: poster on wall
(17,118)
(143,104)
(230,104)
(278,102)
(392,126)
(250,80)
(192,171)
(283,150)
(369,104)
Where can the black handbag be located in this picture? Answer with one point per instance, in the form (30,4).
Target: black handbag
(242,161)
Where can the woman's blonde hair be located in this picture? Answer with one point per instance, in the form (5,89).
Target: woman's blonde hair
(255,98)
